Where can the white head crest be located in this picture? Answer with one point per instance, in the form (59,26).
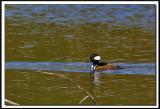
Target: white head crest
(98,58)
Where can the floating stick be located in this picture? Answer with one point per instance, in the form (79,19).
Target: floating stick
(83,99)
(89,95)
(11,102)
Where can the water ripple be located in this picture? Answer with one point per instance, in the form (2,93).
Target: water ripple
(129,68)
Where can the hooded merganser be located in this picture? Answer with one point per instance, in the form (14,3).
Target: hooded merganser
(95,58)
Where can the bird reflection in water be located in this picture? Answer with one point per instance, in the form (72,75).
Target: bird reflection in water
(95,79)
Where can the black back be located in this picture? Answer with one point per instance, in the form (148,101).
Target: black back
(102,64)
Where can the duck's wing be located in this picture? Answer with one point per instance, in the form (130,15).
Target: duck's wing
(105,65)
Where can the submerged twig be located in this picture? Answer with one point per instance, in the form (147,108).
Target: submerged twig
(11,102)
(83,99)
(89,95)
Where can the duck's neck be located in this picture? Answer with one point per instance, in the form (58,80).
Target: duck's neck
(95,63)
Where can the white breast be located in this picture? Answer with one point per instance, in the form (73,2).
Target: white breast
(94,67)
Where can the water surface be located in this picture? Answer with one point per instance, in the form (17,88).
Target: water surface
(128,68)
(59,38)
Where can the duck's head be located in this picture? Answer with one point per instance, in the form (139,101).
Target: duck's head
(95,58)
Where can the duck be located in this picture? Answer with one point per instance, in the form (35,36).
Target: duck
(95,58)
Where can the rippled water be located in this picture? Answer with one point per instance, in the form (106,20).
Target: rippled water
(58,38)
(129,68)
(63,33)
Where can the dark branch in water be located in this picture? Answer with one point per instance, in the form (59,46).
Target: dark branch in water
(89,95)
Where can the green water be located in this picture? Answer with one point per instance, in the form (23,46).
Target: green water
(32,88)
